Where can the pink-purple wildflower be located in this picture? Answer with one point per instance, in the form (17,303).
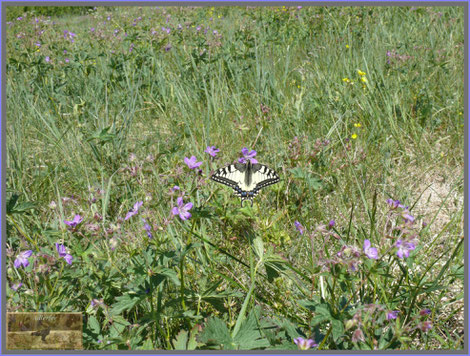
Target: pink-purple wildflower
(134,210)
(16,286)
(63,253)
(248,156)
(404,248)
(305,344)
(191,162)
(299,227)
(77,219)
(212,150)
(425,326)
(392,314)
(182,209)
(22,259)
(370,252)
(331,224)
(147,228)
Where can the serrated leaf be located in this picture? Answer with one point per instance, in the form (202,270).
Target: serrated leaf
(181,340)
(124,303)
(216,332)
(249,336)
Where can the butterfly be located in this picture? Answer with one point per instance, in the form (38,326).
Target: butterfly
(246,179)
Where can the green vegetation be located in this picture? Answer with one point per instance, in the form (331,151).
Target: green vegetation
(352,106)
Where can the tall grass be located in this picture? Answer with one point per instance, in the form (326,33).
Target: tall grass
(350,105)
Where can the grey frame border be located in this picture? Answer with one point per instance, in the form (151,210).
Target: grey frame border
(353,3)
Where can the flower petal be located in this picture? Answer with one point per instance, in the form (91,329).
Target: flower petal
(179,201)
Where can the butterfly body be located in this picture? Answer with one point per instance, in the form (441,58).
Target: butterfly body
(246,179)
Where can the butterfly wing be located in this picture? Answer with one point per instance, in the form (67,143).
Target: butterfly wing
(232,176)
(245,180)
(263,176)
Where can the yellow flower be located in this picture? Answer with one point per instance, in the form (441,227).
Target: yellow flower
(357,125)
(298,86)
(347,46)
(364,79)
(353,136)
(460,113)
(361,73)
(346,80)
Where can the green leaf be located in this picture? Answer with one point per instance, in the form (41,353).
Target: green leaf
(249,336)
(23,207)
(11,203)
(314,182)
(147,345)
(181,340)
(93,325)
(338,329)
(259,247)
(125,302)
(216,332)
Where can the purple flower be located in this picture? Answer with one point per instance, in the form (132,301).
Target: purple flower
(16,286)
(305,344)
(47,59)
(77,219)
(299,7)
(182,210)
(134,210)
(299,227)
(425,326)
(404,248)
(95,303)
(191,162)
(392,314)
(212,150)
(175,188)
(63,253)
(67,60)
(92,29)
(38,44)
(394,204)
(408,218)
(148,228)
(22,259)
(425,312)
(19,18)
(167,47)
(248,156)
(331,224)
(370,252)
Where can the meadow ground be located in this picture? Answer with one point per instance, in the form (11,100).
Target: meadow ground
(358,109)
